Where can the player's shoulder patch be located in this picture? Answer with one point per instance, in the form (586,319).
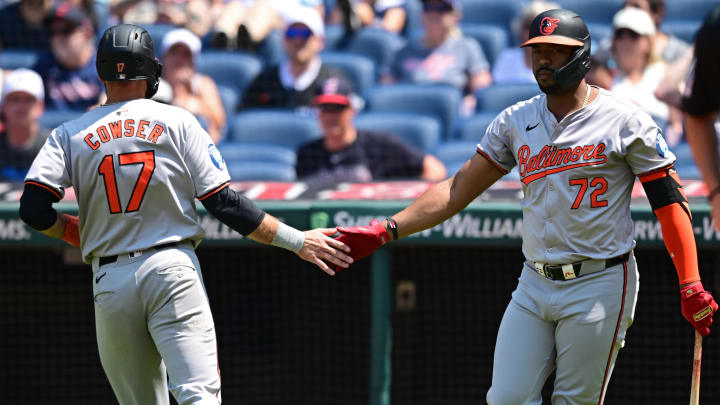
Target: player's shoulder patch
(216,157)
(660,144)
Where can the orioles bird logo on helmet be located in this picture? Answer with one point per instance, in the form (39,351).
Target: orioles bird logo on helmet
(548,25)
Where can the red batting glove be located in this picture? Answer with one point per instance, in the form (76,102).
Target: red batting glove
(698,307)
(362,240)
(72,231)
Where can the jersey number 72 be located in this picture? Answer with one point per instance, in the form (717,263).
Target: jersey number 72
(107,170)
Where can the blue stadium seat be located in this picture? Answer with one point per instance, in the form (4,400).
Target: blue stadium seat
(377,44)
(261,171)
(12,59)
(252,152)
(497,97)
(496,12)
(601,11)
(598,32)
(437,101)
(231,69)
(455,151)
(283,128)
(359,69)
(421,132)
(491,38)
(473,129)
(157,32)
(272,50)
(413,21)
(692,10)
(230,99)
(52,119)
(683,29)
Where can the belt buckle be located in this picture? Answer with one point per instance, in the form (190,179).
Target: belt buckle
(135,254)
(568,271)
(540,268)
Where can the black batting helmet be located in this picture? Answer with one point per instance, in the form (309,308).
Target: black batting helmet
(126,52)
(563,27)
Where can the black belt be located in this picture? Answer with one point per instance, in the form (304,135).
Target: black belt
(555,271)
(112,259)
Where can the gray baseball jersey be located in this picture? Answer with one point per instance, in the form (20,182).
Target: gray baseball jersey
(136,168)
(577,174)
(577,177)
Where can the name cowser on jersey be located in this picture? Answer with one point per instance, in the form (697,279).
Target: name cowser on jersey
(136,168)
(577,174)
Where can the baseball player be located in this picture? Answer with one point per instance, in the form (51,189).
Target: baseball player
(578,150)
(136,167)
(702,105)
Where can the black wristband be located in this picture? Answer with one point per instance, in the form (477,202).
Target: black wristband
(713,193)
(392,227)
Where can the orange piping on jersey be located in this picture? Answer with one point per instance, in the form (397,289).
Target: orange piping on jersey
(140,128)
(529,179)
(617,329)
(220,187)
(679,239)
(660,169)
(93,144)
(48,188)
(492,162)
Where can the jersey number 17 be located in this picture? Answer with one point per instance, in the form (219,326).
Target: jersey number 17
(107,170)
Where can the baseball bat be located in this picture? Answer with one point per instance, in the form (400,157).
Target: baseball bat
(697,359)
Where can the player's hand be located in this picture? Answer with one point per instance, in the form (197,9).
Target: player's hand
(715,212)
(698,306)
(321,249)
(72,231)
(363,240)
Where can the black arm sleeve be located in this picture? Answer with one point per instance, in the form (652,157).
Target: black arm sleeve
(36,207)
(234,210)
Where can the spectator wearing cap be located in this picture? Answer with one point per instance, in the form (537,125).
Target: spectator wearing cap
(191,90)
(443,55)
(514,65)
(668,47)
(388,15)
(71,80)
(21,136)
(22,25)
(639,71)
(345,153)
(294,82)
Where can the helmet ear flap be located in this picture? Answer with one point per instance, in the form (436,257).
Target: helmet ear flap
(153,85)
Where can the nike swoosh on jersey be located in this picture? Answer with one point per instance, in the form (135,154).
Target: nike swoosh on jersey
(530,128)
(97,279)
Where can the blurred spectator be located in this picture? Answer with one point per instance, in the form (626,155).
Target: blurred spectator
(294,82)
(245,24)
(668,47)
(389,15)
(443,55)
(346,154)
(71,80)
(600,74)
(514,64)
(21,136)
(701,104)
(639,71)
(22,25)
(191,90)
(195,15)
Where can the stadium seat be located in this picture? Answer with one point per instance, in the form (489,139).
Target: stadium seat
(421,132)
(157,32)
(473,129)
(52,119)
(498,97)
(252,152)
(491,38)
(601,11)
(496,12)
(688,10)
(413,21)
(684,30)
(274,127)
(359,69)
(598,32)
(455,151)
(437,101)
(230,98)
(231,69)
(272,50)
(12,59)
(261,171)
(377,44)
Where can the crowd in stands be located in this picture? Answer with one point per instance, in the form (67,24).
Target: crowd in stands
(334,90)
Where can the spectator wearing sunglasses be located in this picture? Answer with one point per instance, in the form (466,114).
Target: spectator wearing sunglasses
(346,154)
(443,55)
(71,80)
(639,71)
(294,82)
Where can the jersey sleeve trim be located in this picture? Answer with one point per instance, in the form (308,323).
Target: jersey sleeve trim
(486,156)
(213,191)
(53,190)
(655,173)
